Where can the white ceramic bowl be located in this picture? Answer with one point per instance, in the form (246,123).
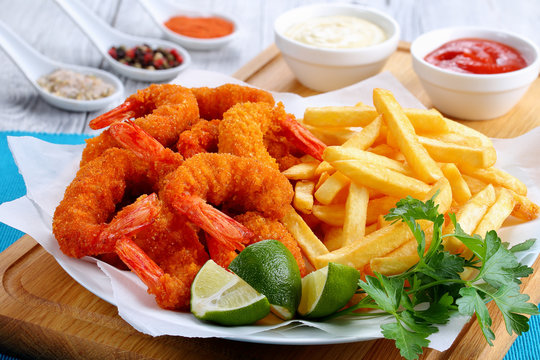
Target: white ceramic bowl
(162,10)
(474,96)
(325,69)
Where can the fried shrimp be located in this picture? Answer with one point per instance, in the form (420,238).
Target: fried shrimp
(201,138)
(262,228)
(213,102)
(85,222)
(164,111)
(266,133)
(166,257)
(237,184)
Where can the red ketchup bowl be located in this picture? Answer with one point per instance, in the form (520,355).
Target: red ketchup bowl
(475,73)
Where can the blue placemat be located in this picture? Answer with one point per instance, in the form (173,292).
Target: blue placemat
(526,346)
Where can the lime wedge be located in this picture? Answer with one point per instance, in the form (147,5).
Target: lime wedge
(271,269)
(327,290)
(222,297)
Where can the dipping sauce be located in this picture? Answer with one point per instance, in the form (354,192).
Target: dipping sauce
(476,56)
(200,27)
(337,32)
(73,85)
(144,57)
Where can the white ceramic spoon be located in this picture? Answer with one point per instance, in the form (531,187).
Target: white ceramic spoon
(34,65)
(163,10)
(104,37)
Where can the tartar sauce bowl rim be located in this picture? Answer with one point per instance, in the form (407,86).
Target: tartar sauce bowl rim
(194,43)
(82,105)
(429,41)
(337,56)
(145,74)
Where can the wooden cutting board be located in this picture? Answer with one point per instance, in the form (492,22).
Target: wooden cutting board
(44,313)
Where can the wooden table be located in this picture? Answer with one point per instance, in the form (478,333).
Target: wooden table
(45,27)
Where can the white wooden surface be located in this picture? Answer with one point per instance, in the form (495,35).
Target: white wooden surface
(42,24)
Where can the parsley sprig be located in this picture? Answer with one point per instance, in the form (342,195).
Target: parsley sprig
(435,280)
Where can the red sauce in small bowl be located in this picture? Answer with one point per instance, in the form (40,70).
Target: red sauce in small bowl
(476,56)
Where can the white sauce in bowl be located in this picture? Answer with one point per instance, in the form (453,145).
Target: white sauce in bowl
(337,32)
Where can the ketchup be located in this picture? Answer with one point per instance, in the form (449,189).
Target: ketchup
(476,56)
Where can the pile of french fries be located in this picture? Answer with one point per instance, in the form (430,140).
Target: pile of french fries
(339,203)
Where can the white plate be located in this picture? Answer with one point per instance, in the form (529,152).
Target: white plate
(45,184)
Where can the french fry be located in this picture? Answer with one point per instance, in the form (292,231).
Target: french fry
(302,171)
(322,178)
(497,213)
(354,224)
(331,136)
(324,166)
(402,258)
(460,189)
(459,139)
(379,206)
(330,214)
(361,140)
(495,176)
(426,121)
(468,217)
(524,208)
(403,131)
(333,238)
(360,115)
(475,185)
(365,137)
(329,189)
(393,265)
(457,128)
(443,190)
(359,253)
(303,196)
(335,153)
(494,217)
(310,244)
(388,151)
(381,242)
(387,181)
(340,116)
(480,157)
(371,228)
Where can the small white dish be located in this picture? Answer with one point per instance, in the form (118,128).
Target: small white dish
(474,96)
(104,37)
(162,10)
(325,69)
(35,65)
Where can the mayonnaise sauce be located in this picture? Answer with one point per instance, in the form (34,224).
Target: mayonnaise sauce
(338,32)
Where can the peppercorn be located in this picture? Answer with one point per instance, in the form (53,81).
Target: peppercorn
(142,56)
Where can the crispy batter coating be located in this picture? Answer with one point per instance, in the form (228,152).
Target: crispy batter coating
(91,200)
(213,102)
(237,183)
(163,111)
(254,130)
(201,138)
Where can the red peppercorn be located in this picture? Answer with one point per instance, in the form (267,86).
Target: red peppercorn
(158,63)
(177,56)
(112,52)
(130,53)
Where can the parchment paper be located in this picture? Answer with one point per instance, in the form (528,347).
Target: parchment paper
(48,168)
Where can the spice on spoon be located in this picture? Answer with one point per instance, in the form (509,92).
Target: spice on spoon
(200,27)
(144,57)
(73,85)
